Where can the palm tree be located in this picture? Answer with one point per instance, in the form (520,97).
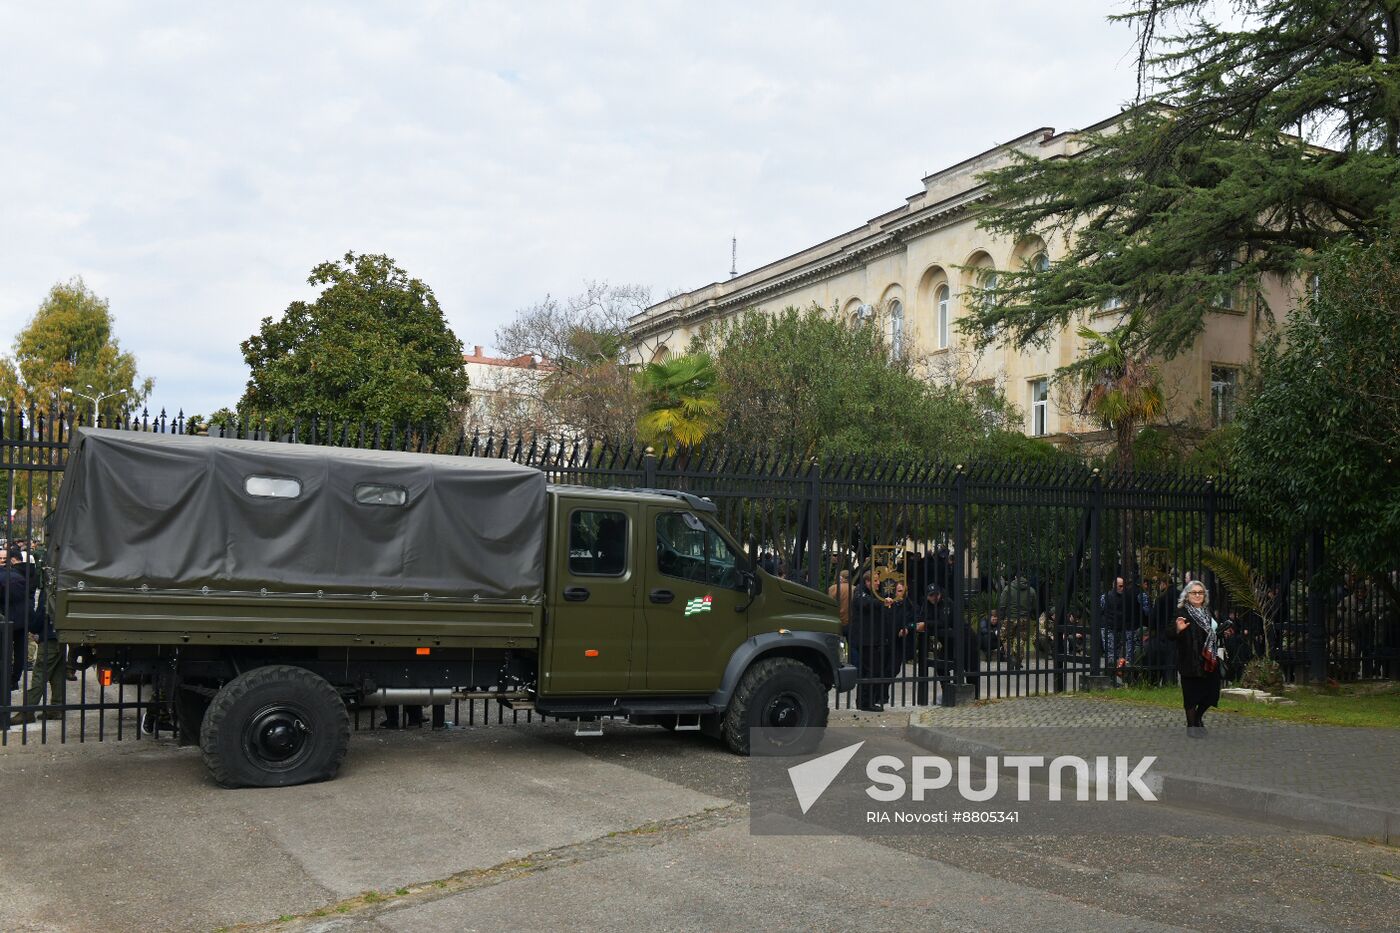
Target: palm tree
(679,405)
(1120,389)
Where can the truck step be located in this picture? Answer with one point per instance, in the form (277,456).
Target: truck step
(666,708)
(593,728)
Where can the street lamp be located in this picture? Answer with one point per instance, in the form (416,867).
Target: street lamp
(94,399)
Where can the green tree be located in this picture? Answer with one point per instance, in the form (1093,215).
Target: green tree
(69,344)
(374,345)
(680,408)
(1318,440)
(805,381)
(1217,178)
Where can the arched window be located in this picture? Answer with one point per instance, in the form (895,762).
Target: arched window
(896,328)
(1041,263)
(942,297)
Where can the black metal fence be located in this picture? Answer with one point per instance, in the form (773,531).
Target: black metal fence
(1011,573)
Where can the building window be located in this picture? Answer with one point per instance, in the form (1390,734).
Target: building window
(1224,389)
(942,297)
(896,328)
(1040,407)
(1112,303)
(1041,263)
(1226,298)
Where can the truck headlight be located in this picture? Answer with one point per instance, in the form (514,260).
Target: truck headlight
(845,652)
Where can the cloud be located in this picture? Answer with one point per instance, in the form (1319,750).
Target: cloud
(194,163)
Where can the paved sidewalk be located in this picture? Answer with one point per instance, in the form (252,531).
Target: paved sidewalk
(1333,779)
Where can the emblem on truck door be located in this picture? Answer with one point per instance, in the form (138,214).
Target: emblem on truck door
(698,604)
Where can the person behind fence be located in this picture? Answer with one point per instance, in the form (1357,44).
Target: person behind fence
(49,670)
(1019,607)
(1234,647)
(16,593)
(1114,607)
(908,633)
(937,618)
(989,635)
(1197,657)
(871,636)
(841,592)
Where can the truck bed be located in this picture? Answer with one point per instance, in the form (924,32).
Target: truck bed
(275,619)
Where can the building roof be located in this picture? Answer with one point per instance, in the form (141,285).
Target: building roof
(949,194)
(524,361)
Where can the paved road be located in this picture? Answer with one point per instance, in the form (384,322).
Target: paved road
(534,828)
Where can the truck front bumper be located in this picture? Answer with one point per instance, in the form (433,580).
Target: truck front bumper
(845,678)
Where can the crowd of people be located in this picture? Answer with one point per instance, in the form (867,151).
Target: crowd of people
(1135,634)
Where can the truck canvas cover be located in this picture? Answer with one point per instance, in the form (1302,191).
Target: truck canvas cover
(178,513)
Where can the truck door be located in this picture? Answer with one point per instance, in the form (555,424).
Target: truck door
(694,583)
(594,598)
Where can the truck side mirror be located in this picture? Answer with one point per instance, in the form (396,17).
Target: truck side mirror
(751,587)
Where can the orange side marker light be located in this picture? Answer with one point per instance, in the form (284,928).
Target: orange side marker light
(104,676)
(422,651)
(591,653)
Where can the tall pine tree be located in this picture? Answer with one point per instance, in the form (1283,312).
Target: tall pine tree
(1251,147)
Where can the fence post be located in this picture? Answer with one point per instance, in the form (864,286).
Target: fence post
(1095,569)
(958,668)
(814,550)
(1317,610)
(1210,537)
(649,468)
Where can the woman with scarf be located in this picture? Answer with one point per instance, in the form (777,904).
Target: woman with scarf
(1197,656)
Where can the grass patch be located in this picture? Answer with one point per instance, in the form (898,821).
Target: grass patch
(1368,705)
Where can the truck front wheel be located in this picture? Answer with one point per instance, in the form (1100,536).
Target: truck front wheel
(274,727)
(775,695)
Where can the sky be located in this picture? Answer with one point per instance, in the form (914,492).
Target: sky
(193,162)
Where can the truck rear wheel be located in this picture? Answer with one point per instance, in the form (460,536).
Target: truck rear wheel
(776,694)
(274,727)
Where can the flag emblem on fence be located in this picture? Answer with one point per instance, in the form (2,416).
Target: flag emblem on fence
(698,604)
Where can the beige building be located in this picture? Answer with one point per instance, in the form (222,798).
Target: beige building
(913,270)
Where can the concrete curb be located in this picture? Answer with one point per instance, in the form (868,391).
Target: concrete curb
(1277,807)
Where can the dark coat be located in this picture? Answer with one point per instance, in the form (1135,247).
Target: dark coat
(17,594)
(905,616)
(1189,645)
(1163,621)
(1120,610)
(872,623)
(937,619)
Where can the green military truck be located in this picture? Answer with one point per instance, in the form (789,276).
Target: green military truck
(267,588)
